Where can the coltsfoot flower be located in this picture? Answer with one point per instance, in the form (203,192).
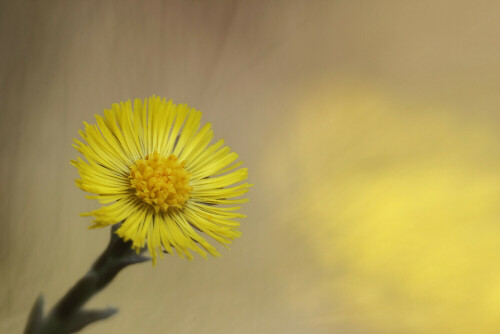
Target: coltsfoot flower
(154,169)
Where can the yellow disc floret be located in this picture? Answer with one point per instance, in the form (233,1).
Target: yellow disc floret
(161,182)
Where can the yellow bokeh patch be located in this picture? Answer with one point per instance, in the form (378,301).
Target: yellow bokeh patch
(399,207)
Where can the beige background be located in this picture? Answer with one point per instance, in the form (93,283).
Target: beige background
(369,128)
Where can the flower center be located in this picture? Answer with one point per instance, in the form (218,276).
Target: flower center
(161,182)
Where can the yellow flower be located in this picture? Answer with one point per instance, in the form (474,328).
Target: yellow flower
(159,175)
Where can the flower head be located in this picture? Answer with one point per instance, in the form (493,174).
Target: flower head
(154,169)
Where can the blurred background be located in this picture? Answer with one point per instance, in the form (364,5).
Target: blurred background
(370,129)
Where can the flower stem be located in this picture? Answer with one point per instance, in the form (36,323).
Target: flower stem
(67,316)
